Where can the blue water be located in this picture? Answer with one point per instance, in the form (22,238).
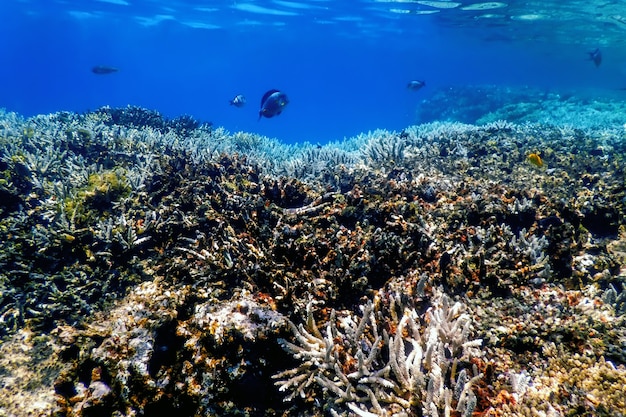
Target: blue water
(343,64)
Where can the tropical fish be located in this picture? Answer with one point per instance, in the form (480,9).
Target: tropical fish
(535,159)
(273,103)
(238,101)
(596,57)
(103,69)
(415,85)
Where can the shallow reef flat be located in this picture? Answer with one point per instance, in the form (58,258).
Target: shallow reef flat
(155,267)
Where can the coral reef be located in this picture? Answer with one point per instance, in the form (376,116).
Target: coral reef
(138,117)
(483,104)
(158,271)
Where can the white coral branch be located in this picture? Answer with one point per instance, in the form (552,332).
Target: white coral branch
(357,368)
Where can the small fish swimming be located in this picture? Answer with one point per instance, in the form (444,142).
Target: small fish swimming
(415,85)
(596,57)
(103,69)
(535,159)
(273,103)
(238,101)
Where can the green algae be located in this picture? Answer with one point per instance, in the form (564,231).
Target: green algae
(103,189)
(95,200)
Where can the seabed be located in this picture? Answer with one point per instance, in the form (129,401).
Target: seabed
(165,267)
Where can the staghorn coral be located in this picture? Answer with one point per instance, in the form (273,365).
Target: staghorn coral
(356,364)
(138,117)
(617,299)
(384,150)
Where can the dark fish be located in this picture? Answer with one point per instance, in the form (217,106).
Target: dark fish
(103,69)
(238,101)
(415,85)
(550,221)
(273,103)
(596,57)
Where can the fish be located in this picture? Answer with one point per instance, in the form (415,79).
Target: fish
(550,221)
(415,85)
(273,103)
(103,69)
(535,159)
(238,101)
(596,57)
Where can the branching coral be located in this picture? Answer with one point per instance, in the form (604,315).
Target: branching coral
(386,365)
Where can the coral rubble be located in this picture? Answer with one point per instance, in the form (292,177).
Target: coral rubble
(148,267)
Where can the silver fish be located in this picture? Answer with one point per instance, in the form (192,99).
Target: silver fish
(238,101)
(415,85)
